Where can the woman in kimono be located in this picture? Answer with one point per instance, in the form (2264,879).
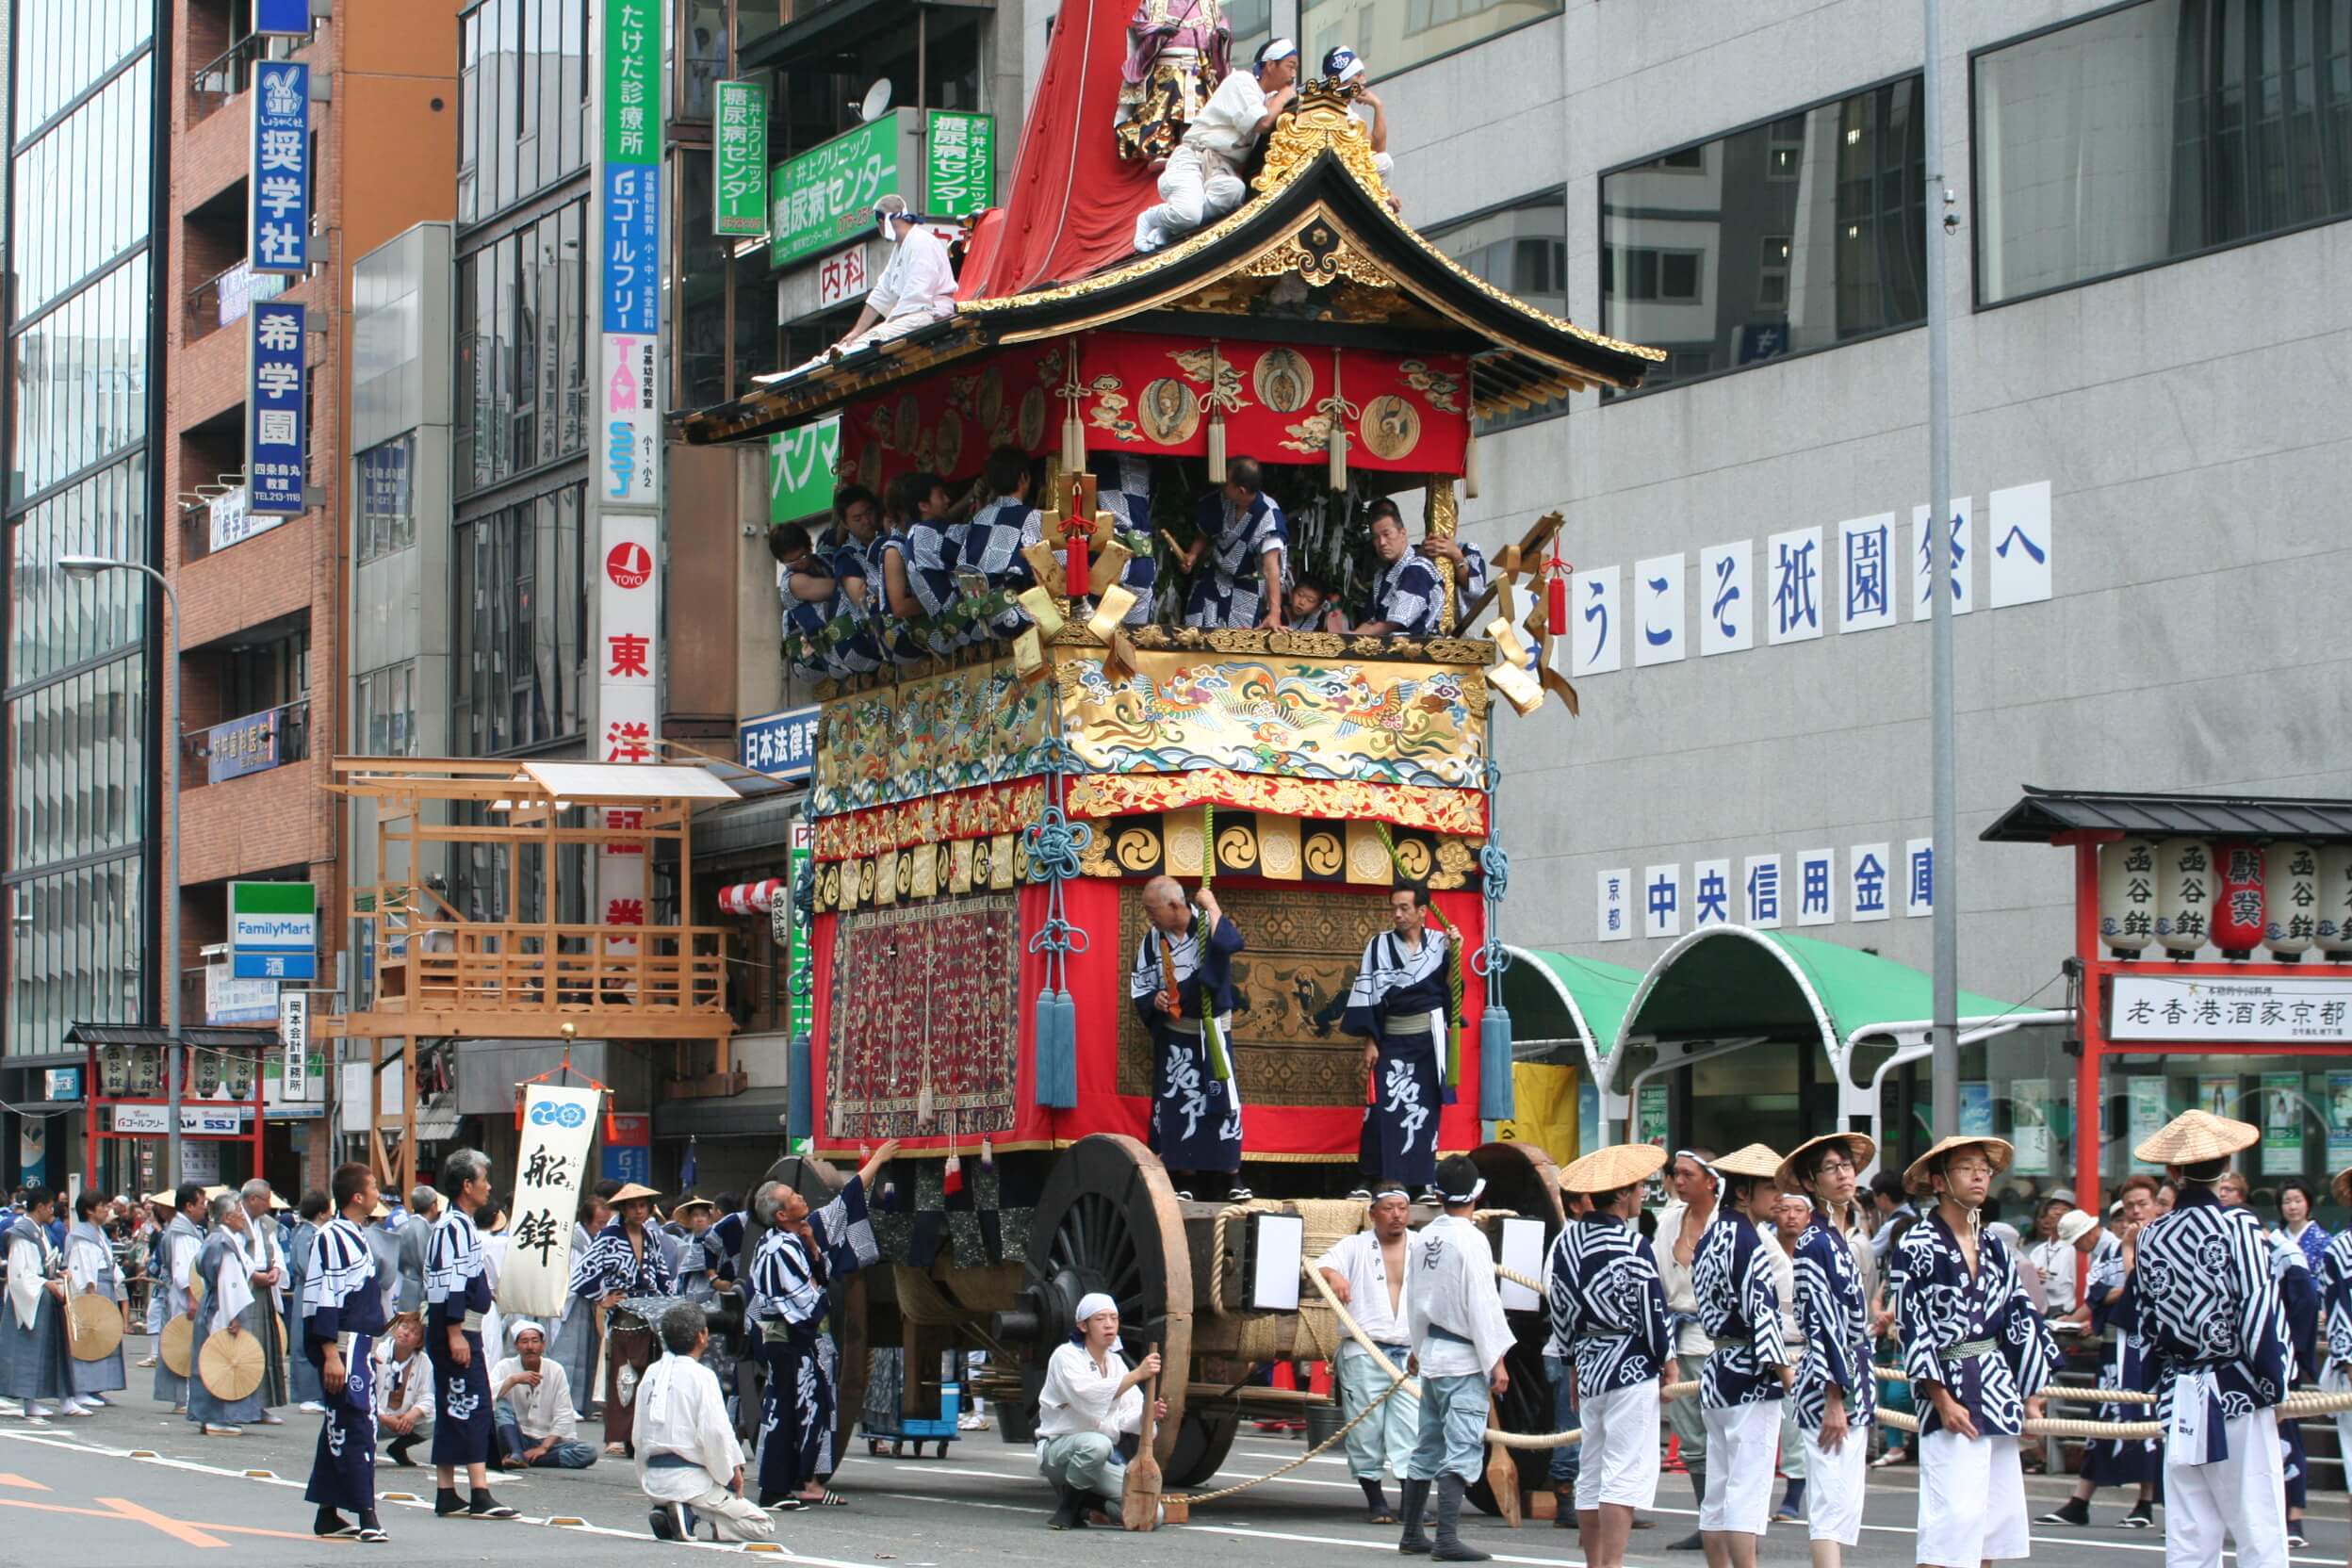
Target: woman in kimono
(33,1362)
(175,1271)
(627,1260)
(228,1308)
(576,1337)
(90,1271)
(301,1244)
(1744,1381)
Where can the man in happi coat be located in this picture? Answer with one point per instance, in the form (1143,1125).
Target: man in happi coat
(1182,988)
(1608,1311)
(1407,597)
(803,1252)
(1242,534)
(627,1261)
(265,1262)
(1749,1374)
(231,1306)
(2335,1307)
(183,1238)
(311,1216)
(2115,1309)
(1177,51)
(2219,1357)
(1402,1002)
(342,1313)
(1975,1350)
(1124,491)
(991,542)
(1836,1393)
(34,1365)
(1454,1319)
(90,1271)
(457,1294)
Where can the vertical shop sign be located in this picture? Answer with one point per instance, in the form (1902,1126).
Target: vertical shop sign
(2029,1124)
(958,164)
(275,412)
(740,149)
(278,185)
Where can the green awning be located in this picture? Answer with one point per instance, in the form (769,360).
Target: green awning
(1552,996)
(1726,982)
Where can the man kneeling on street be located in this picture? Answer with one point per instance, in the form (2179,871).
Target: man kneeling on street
(533,1412)
(687,1461)
(1092,1397)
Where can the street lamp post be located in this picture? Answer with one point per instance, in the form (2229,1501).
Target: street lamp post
(83,569)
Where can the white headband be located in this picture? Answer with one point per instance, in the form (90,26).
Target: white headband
(1093,1302)
(1280,49)
(1471,1197)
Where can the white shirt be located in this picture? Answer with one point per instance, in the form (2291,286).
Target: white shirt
(919,281)
(2055,1261)
(262,1253)
(1080,1396)
(1674,1277)
(542,1411)
(393,1395)
(1358,1259)
(1227,125)
(1449,1272)
(679,1411)
(1785,1281)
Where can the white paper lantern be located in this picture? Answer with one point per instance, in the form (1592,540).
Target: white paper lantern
(2184,895)
(2333,927)
(2290,899)
(2127,895)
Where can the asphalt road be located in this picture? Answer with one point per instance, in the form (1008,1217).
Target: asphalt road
(134,1485)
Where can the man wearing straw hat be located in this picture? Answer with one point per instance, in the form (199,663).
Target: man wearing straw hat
(1975,1350)
(2111,1301)
(2218,1355)
(1608,1312)
(1454,1319)
(1750,1372)
(1836,1393)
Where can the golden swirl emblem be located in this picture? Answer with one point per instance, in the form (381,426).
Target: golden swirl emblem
(1236,848)
(944,864)
(905,874)
(980,863)
(829,887)
(865,881)
(1020,859)
(1412,859)
(1137,849)
(1324,854)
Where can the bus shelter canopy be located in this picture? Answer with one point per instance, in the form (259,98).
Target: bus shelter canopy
(1555,998)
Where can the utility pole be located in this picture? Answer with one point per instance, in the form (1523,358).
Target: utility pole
(1941,226)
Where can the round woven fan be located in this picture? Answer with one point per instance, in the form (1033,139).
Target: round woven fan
(96,1326)
(176,1335)
(230,1366)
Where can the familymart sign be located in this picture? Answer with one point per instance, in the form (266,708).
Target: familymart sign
(273,930)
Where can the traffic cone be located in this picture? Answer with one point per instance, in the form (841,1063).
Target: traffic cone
(1320,1379)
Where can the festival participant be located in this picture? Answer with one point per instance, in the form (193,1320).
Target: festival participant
(1751,1370)
(34,1365)
(2218,1352)
(1124,491)
(828,614)
(1454,1319)
(2115,1307)
(342,1313)
(1975,1350)
(2335,1305)
(402,1378)
(1177,52)
(534,1405)
(457,1294)
(1092,1397)
(1560,1370)
(412,1245)
(1308,607)
(2298,1298)
(626,1260)
(1792,1212)
(89,1270)
(302,1243)
(1405,596)
(1202,180)
(1682,1224)
(1246,540)
(1366,1271)
(687,1461)
(915,289)
(802,1253)
(231,1307)
(1836,1393)
(700,1261)
(1609,1313)
(577,1337)
(183,1238)
(1178,981)
(1401,1003)
(992,540)
(918,570)
(265,1259)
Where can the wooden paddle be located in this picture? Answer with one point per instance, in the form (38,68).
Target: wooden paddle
(1502,1471)
(1139,1501)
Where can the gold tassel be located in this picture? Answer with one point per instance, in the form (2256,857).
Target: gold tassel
(1339,429)
(1216,416)
(1470,462)
(1073,428)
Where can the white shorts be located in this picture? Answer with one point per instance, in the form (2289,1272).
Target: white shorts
(2243,1496)
(1832,1486)
(1741,1441)
(1972,1501)
(2335,1381)
(1620,1459)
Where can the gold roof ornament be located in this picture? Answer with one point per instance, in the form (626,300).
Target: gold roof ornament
(1318,118)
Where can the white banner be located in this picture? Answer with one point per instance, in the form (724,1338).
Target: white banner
(558,1126)
(155,1121)
(294,1035)
(2158,1007)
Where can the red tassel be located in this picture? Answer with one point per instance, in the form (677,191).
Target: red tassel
(953,1182)
(1074,570)
(1556,602)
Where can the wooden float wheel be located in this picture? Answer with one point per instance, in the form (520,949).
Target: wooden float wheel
(1206,1439)
(846,1308)
(1521,1177)
(1108,1221)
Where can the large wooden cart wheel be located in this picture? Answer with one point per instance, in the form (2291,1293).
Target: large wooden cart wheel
(1521,1177)
(818,1182)
(1108,1221)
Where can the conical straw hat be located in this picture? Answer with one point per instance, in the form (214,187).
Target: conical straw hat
(630,1191)
(1917,1180)
(2194,1137)
(2342,1186)
(175,1343)
(1619,1166)
(1756,1160)
(1859,1148)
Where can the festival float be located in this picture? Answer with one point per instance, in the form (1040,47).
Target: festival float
(983,824)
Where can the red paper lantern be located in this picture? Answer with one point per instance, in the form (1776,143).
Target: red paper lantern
(2237,898)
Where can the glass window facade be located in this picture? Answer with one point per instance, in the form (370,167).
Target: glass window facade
(522,100)
(63,46)
(55,622)
(2155,132)
(1390,35)
(1802,233)
(1523,249)
(383,723)
(99,152)
(80,378)
(520,614)
(388,498)
(522,351)
(77,953)
(2302,1102)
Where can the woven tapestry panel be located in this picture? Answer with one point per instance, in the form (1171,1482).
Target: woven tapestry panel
(1293,976)
(925,997)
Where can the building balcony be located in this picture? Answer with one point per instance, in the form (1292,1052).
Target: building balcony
(252,743)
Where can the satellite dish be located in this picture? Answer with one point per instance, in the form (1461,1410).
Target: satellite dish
(876,102)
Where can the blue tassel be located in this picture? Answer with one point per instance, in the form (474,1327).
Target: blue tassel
(1496,1102)
(1065,1043)
(800,1097)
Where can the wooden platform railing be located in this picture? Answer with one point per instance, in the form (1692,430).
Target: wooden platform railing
(472,966)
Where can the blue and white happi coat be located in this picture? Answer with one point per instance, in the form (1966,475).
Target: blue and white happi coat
(1401,1000)
(1739,1310)
(1834,1314)
(610,1267)
(1196,1115)
(1229,589)
(787,1299)
(1608,1309)
(1978,1334)
(342,1303)
(457,1294)
(2107,1290)
(2335,1299)
(2211,1323)
(1406,595)
(1125,493)
(990,544)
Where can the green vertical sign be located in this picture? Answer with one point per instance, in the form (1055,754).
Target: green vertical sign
(801,466)
(632,77)
(825,196)
(958,164)
(802,1012)
(740,148)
